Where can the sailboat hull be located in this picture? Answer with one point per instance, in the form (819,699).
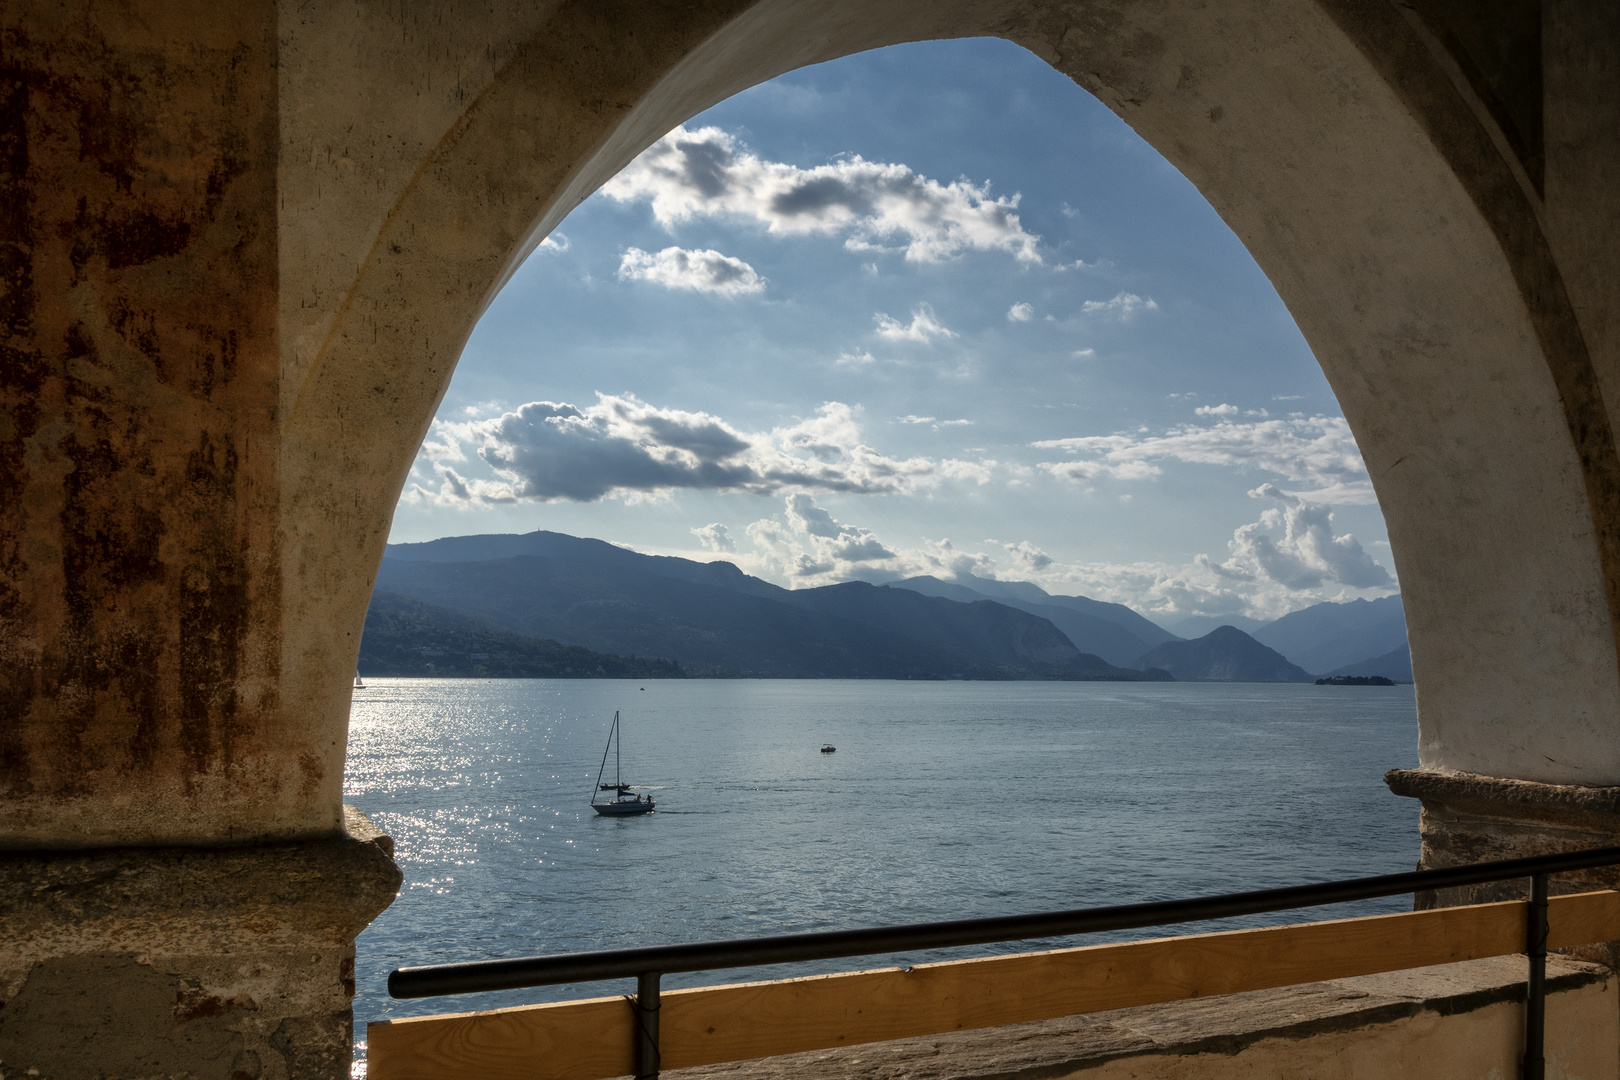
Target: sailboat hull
(623,809)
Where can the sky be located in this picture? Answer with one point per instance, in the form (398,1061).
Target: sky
(931,309)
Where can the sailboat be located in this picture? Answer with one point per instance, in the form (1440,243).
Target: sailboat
(358,684)
(622,803)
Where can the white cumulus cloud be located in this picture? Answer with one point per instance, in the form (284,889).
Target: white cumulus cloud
(707,172)
(1307,555)
(923,328)
(715,537)
(697,271)
(1031,558)
(1317,453)
(623,446)
(1020,313)
(1124,305)
(934,422)
(1216,410)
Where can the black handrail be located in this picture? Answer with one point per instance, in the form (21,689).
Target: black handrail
(648,963)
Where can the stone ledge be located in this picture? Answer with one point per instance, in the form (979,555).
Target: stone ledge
(1569,805)
(196,900)
(1221,1026)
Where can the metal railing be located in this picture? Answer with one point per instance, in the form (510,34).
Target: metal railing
(646,965)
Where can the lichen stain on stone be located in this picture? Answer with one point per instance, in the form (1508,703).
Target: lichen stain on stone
(313,773)
(23,378)
(192,1004)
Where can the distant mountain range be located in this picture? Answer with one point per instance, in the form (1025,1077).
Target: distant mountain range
(1327,637)
(715,620)
(1225,654)
(1111,631)
(1198,625)
(405,636)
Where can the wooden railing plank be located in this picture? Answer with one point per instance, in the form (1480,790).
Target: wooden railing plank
(591,1040)
(570,1040)
(761,1019)
(1583,918)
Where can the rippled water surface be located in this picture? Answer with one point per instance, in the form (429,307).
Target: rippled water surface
(944,800)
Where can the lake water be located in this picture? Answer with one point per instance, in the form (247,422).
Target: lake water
(944,800)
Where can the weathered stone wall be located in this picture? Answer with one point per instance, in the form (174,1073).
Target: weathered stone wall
(140,696)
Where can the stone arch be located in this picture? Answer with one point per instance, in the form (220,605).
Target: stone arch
(1332,137)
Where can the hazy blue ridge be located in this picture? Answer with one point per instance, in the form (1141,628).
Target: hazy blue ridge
(1197,626)
(717,621)
(1225,654)
(1089,633)
(1025,592)
(1396,665)
(405,636)
(1325,637)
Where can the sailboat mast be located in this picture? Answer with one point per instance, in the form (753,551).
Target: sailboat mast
(605,750)
(618,741)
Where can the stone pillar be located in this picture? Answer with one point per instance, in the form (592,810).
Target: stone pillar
(220,962)
(179,888)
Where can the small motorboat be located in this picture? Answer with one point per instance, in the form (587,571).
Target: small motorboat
(624,801)
(828,748)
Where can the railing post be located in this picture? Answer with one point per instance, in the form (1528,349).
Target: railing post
(1535,997)
(647,1005)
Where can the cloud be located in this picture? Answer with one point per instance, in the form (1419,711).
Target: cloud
(1028,556)
(1083,354)
(1101,266)
(622,446)
(697,271)
(1086,471)
(707,172)
(1216,410)
(923,328)
(934,423)
(1274,566)
(556,243)
(1308,554)
(1078,471)
(1020,313)
(1124,305)
(808,546)
(1317,451)
(715,537)
(849,358)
